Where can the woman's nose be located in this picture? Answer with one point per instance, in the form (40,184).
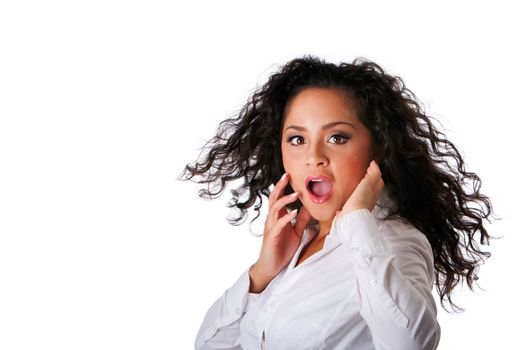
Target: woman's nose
(316,156)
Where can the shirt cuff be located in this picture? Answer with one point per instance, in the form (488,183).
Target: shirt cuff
(238,298)
(359,232)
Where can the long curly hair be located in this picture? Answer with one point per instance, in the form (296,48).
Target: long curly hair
(423,172)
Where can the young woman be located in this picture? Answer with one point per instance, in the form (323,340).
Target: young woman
(371,207)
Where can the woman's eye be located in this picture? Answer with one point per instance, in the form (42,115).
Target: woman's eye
(296,140)
(339,139)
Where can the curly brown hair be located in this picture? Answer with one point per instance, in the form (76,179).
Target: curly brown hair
(424,173)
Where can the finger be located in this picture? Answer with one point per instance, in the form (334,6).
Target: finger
(283,221)
(279,188)
(378,188)
(276,208)
(376,166)
(303,218)
(373,177)
(373,173)
(376,193)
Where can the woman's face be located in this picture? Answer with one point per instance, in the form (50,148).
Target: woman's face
(326,149)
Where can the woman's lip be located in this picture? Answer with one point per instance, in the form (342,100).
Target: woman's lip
(317,177)
(313,197)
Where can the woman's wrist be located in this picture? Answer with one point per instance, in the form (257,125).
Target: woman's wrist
(258,281)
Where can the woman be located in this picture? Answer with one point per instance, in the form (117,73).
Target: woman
(373,209)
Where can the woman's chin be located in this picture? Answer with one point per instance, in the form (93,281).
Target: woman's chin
(322,215)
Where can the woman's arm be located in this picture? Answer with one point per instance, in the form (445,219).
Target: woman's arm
(220,328)
(394,272)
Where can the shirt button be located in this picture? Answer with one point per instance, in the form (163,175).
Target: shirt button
(355,250)
(238,311)
(373,282)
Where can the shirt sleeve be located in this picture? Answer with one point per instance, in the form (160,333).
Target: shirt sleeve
(395,273)
(220,328)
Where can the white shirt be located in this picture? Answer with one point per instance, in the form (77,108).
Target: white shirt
(368,288)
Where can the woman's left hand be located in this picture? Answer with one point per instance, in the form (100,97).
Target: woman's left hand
(366,193)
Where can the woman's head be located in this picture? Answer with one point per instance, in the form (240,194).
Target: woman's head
(326,149)
(423,172)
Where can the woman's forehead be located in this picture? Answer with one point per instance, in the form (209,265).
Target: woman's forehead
(320,106)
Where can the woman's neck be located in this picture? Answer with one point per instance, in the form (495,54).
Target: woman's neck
(324,229)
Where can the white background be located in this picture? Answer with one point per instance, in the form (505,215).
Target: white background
(102,103)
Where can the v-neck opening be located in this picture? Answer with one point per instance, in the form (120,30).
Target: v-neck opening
(328,245)
(311,255)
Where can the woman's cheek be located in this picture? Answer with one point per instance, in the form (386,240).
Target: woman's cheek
(344,199)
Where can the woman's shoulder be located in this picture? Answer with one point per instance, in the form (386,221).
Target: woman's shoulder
(400,228)
(397,228)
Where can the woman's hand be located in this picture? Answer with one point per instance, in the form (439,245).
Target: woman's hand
(367,191)
(281,238)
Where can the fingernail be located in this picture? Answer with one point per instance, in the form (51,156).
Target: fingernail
(282,177)
(295,194)
(294,211)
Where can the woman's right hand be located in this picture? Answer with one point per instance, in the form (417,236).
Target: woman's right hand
(281,239)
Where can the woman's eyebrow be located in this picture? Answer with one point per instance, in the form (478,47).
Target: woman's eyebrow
(324,127)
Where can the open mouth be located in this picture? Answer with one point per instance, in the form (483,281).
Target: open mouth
(319,188)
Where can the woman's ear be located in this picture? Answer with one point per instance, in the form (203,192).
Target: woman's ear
(377,154)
